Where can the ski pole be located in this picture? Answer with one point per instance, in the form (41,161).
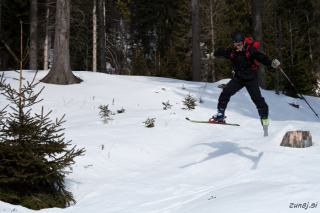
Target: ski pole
(297,90)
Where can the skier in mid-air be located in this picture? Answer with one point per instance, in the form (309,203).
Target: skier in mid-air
(244,56)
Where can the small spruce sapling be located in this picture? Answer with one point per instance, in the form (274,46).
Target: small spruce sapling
(205,86)
(166,105)
(104,113)
(189,102)
(34,156)
(149,122)
(121,110)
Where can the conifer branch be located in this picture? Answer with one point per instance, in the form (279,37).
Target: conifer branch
(12,53)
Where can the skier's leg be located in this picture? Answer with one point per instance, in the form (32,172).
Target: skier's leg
(232,87)
(255,94)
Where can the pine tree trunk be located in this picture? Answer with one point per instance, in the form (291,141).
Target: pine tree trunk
(102,46)
(61,70)
(2,53)
(33,65)
(104,23)
(258,36)
(280,46)
(46,40)
(309,36)
(4,60)
(94,59)
(291,45)
(276,71)
(0,17)
(196,57)
(212,42)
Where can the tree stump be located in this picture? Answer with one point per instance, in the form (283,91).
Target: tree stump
(297,139)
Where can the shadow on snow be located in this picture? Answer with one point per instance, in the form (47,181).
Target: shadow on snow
(224,148)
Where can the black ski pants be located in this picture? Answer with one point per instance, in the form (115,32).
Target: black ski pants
(253,89)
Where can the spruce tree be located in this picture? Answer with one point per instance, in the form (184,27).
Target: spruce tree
(172,65)
(299,62)
(34,156)
(189,102)
(173,31)
(139,65)
(143,19)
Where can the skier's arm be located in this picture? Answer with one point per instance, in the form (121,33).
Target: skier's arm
(261,57)
(223,52)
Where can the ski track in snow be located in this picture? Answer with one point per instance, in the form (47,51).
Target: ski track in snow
(193,195)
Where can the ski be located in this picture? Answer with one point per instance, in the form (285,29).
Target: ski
(207,122)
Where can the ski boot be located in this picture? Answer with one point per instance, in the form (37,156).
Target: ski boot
(264,121)
(218,118)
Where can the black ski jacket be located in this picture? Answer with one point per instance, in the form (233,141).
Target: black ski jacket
(243,64)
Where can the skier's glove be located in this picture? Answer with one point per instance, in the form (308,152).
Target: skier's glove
(275,63)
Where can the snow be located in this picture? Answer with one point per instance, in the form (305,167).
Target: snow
(179,166)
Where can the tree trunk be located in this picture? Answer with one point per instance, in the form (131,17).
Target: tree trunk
(276,71)
(258,36)
(196,57)
(104,23)
(0,18)
(4,60)
(280,48)
(94,59)
(102,30)
(4,56)
(33,65)
(212,42)
(297,139)
(46,40)
(61,70)
(309,36)
(291,45)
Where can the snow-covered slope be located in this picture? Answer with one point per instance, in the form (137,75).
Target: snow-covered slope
(179,166)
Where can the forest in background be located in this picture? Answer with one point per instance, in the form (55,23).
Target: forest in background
(154,37)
